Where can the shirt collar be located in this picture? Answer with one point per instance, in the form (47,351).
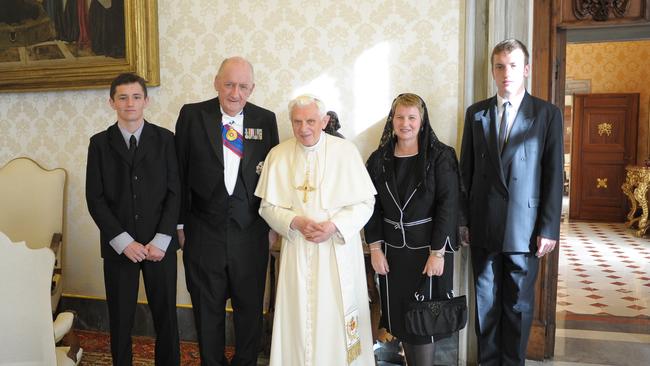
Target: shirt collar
(515,102)
(315,146)
(127,135)
(226,119)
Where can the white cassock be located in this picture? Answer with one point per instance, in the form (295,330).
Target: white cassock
(322,316)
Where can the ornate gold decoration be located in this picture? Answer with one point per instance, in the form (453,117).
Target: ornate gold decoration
(604,128)
(599,9)
(636,189)
(141,46)
(305,188)
(601,182)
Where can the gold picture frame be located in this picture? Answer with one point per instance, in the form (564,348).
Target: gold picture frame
(141,57)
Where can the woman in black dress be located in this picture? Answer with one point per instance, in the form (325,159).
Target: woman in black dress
(412,232)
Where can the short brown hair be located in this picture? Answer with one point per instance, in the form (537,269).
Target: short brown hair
(508,46)
(408,100)
(128,78)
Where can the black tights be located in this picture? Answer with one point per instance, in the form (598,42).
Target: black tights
(419,354)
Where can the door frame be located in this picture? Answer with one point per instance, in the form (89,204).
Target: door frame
(548,75)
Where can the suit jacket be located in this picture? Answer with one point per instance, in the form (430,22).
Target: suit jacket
(513,197)
(435,198)
(141,198)
(200,156)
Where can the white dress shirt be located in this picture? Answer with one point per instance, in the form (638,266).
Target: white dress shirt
(230,159)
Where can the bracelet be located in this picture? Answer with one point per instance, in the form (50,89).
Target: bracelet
(375,248)
(437,254)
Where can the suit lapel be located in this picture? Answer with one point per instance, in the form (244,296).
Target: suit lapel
(488,120)
(523,122)
(116,142)
(391,181)
(212,124)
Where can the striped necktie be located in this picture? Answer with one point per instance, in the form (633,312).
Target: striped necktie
(503,127)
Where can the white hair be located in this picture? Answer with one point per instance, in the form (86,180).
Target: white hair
(306,100)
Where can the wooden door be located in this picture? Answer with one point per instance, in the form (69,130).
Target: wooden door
(604,142)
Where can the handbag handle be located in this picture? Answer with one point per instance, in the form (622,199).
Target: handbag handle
(424,292)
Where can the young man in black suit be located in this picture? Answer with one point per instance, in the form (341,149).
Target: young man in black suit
(132,191)
(511,166)
(221,145)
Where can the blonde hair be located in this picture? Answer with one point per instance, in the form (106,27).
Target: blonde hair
(408,100)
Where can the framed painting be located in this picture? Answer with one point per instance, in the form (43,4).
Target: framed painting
(76,44)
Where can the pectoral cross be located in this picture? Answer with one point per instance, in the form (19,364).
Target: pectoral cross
(305,188)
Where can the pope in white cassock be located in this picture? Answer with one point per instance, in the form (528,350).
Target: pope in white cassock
(317,194)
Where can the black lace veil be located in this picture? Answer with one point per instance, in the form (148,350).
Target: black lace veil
(428,143)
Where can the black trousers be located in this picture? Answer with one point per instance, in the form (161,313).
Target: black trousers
(505,299)
(122,280)
(221,262)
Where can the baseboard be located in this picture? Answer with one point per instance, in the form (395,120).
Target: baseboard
(92,314)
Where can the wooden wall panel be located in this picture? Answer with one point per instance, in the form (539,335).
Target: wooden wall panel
(596,13)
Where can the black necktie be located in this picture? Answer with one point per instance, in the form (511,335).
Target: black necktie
(503,127)
(133,144)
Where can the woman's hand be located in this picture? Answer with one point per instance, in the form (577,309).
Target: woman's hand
(379,262)
(435,265)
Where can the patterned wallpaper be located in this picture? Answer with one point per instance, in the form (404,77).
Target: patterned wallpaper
(356,55)
(616,67)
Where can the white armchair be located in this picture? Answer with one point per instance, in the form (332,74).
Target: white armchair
(29,336)
(32,201)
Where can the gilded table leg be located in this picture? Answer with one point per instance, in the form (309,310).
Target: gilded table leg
(628,189)
(641,195)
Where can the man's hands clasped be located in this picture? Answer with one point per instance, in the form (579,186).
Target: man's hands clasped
(316,232)
(137,252)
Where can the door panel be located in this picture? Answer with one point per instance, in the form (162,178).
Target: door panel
(604,142)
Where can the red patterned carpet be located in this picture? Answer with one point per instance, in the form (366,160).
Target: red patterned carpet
(97,351)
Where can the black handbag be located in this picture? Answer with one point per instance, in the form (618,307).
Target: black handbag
(427,316)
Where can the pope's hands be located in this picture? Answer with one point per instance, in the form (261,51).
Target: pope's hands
(316,232)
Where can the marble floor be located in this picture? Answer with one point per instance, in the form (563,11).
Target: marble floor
(603,303)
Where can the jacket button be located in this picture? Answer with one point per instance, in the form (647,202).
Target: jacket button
(135,177)
(136,216)
(135,196)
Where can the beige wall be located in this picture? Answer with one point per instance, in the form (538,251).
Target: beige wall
(616,67)
(356,55)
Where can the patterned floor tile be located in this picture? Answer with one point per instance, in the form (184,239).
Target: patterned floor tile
(604,269)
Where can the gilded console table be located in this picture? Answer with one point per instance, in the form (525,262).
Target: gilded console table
(636,189)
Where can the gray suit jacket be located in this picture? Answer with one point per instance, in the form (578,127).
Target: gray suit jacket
(513,197)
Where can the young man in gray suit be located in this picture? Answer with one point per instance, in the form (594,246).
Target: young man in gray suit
(511,165)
